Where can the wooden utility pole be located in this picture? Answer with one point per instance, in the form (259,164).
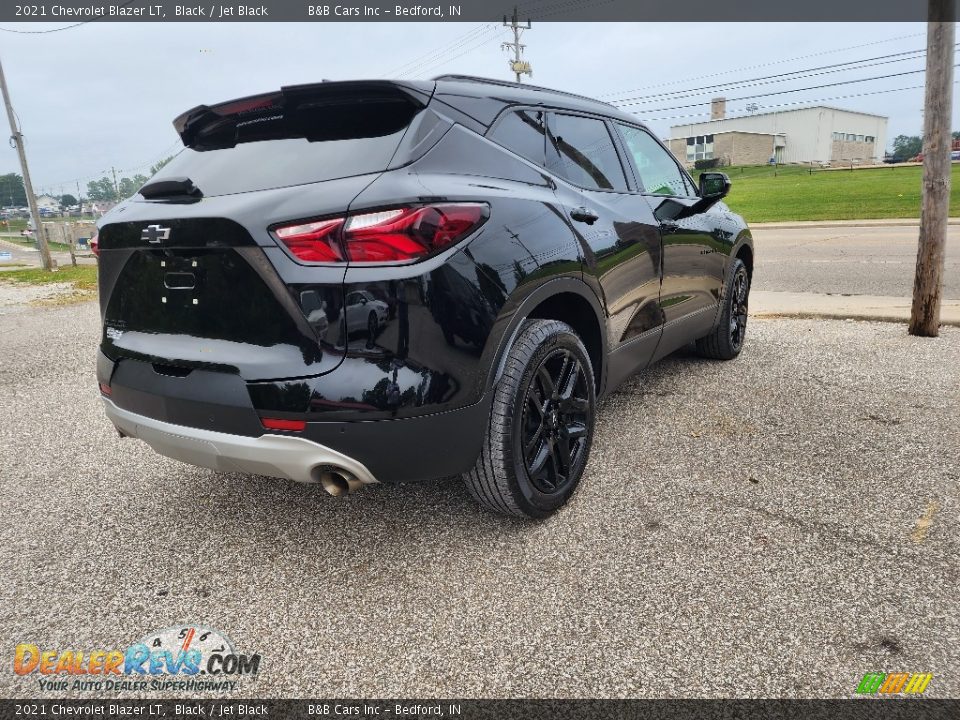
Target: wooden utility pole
(27,185)
(518,66)
(937,137)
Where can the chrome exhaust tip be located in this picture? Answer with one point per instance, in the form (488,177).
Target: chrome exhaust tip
(337,482)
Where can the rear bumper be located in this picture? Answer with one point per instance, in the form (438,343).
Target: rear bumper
(283,456)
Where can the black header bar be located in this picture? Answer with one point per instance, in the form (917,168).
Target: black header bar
(862,12)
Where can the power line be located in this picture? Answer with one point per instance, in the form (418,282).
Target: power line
(436,60)
(790,104)
(762,65)
(780,77)
(538,10)
(785,92)
(449,47)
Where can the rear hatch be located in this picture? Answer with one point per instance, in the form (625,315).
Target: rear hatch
(190,275)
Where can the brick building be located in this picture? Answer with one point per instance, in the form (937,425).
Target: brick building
(819,134)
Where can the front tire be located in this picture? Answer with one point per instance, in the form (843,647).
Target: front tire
(541,424)
(726,340)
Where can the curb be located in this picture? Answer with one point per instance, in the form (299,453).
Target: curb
(828,315)
(812,224)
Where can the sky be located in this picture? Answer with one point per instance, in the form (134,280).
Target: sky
(103,95)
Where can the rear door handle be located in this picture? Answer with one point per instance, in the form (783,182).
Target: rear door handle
(582,214)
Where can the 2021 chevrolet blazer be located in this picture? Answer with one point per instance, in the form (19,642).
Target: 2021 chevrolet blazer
(359,282)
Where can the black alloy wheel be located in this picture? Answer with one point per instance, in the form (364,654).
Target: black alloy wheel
(726,340)
(555,421)
(540,429)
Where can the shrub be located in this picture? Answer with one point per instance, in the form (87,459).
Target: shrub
(707,164)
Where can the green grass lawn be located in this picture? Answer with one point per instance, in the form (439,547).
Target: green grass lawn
(83,277)
(30,242)
(793,193)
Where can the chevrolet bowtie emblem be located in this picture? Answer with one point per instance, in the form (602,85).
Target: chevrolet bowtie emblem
(155,233)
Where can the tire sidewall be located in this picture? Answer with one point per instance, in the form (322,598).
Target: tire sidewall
(532,501)
(737,269)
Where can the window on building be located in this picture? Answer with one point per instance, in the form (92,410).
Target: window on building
(869,139)
(859,138)
(581,150)
(700,148)
(851,138)
(656,168)
(839,137)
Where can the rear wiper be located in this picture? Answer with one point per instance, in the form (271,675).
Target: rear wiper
(170,188)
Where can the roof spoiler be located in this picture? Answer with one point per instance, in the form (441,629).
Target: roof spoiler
(190,123)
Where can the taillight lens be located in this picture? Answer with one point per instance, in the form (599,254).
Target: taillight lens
(399,235)
(278,424)
(95,244)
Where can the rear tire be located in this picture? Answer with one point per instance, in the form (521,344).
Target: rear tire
(540,429)
(726,340)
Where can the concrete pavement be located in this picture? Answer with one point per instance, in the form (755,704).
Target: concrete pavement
(777,525)
(842,307)
(846,270)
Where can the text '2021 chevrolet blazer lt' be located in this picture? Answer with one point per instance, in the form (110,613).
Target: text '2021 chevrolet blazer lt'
(358,282)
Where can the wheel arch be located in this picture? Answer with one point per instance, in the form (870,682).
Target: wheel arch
(569,300)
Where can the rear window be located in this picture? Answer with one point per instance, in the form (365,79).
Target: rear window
(273,146)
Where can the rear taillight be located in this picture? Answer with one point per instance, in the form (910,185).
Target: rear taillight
(95,244)
(105,389)
(313,242)
(397,235)
(279,424)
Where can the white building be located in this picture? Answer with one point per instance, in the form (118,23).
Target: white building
(48,202)
(819,134)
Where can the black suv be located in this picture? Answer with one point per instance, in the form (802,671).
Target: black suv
(359,282)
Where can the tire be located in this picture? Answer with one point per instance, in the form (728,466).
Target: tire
(726,340)
(540,429)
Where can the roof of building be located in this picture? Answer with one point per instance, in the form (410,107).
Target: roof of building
(786,112)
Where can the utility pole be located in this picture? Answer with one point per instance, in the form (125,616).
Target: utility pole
(937,137)
(17,138)
(116,188)
(518,65)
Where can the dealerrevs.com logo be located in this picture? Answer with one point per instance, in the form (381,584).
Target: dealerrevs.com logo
(182,659)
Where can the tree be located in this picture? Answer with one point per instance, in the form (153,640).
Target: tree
(101,189)
(906,147)
(129,186)
(154,169)
(68,200)
(11,190)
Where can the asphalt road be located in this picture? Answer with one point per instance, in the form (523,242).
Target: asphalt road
(854,260)
(774,526)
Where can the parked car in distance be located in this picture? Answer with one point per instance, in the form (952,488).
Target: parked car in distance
(349,283)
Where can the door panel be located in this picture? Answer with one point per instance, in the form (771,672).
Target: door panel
(619,235)
(693,259)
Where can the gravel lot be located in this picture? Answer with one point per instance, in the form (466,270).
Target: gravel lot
(747,529)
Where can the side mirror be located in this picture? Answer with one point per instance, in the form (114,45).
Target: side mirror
(714,186)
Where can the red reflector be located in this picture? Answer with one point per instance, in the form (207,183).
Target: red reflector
(277,424)
(105,389)
(386,236)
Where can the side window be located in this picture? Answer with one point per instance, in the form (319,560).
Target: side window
(523,133)
(581,150)
(656,168)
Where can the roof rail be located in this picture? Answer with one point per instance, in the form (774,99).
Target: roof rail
(508,83)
